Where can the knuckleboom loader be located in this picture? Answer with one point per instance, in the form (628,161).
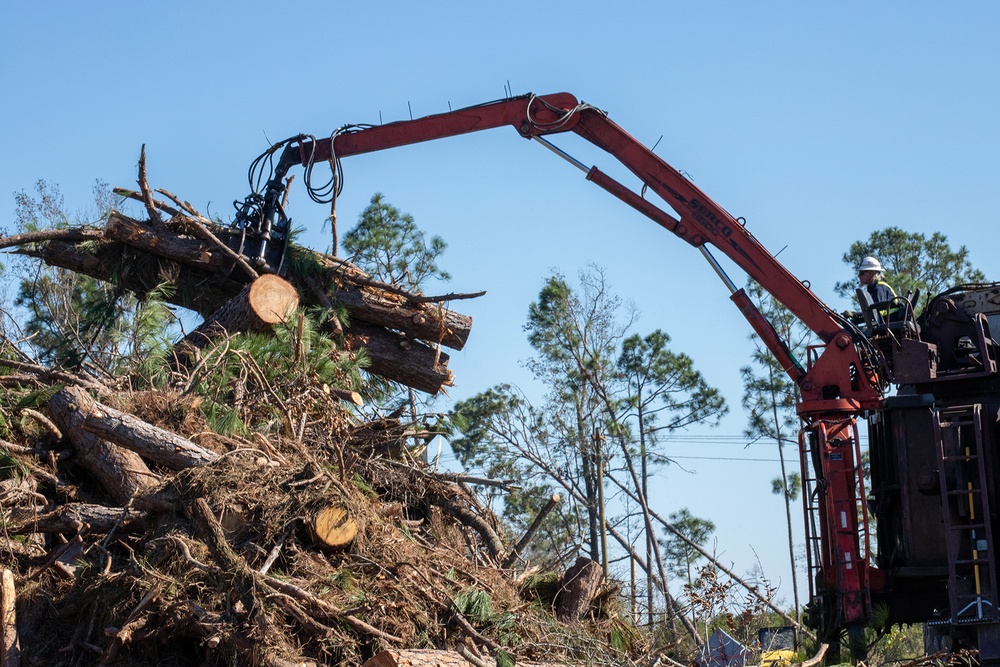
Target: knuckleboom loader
(933,442)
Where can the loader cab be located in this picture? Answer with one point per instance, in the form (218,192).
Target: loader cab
(894,317)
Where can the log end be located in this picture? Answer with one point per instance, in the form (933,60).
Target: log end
(273,298)
(333,527)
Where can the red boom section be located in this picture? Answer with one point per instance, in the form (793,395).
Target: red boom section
(838,385)
(701,219)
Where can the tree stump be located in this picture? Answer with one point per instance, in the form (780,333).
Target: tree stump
(576,593)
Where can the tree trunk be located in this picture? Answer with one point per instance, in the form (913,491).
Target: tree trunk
(122,473)
(193,252)
(403,360)
(263,303)
(362,299)
(427,322)
(73,518)
(394,357)
(125,430)
(577,590)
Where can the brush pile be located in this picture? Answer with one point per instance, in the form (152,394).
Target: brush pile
(137,530)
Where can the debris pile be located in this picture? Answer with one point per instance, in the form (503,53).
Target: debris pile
(136,531)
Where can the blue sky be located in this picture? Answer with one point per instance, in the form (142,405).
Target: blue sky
(817,122)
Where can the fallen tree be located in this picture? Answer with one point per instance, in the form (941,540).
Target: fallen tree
(402,332)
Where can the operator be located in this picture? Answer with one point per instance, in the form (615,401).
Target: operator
(871,276)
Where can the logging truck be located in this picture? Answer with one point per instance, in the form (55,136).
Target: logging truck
(925,383)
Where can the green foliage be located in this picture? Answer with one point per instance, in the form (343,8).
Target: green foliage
(623,636)
(262,365)
(11,467)
(224,419)
(500,433)
(912,261)
(504,659)
(769,394)
(790,486)
(364,487)
(601,380)
(477,606)
(681,555)
(662,383)
(75,321)
(37,398)
(388,244)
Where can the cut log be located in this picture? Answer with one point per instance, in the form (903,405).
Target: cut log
(197,290)
(125,430)
(576,593)
(418,366)
(364,303)
(402,360)
(120,472)
(10,650)
(263,303)
(73,518)
(333,527)
(427,322)
(346,395)
(141,235)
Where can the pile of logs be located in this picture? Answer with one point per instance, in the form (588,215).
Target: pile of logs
(124,539)
(310,539)
(402,332)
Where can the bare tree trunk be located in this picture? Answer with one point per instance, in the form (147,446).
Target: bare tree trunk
(122,473)
(130,432)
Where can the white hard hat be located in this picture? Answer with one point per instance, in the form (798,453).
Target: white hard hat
(870,264)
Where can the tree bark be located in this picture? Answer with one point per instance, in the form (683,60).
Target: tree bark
(125,430)
(120,472)
(394,357)
(427,322)
(73,518)
(402,360)
(577,590)
(367,303)
(469,518)
(162,243)
(261,304)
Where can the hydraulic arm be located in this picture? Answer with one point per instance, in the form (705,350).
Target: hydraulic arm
(837,385)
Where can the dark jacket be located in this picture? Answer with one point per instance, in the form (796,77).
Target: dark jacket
(881,291)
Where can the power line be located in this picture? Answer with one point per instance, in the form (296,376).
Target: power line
(724,458)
